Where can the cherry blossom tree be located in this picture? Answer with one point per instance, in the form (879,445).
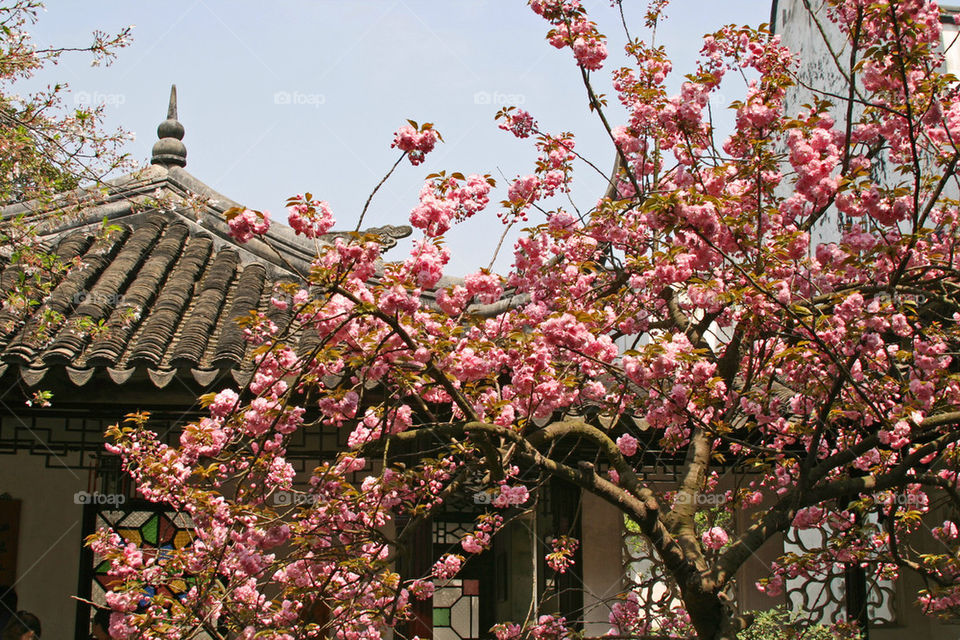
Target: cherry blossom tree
(46,148)
(686,314)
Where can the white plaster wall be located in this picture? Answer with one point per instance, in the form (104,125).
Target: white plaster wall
(602,531)
(801,33)
(50,539)
(822,50)
(817,43)
(951,45)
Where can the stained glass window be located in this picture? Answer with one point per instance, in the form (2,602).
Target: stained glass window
(153,531)
(456,602)
(456,610)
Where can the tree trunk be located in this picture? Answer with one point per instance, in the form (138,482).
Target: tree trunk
(711,614)
(705,610)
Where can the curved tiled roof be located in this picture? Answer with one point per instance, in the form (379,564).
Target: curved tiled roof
(166,302)
(164,297)
(163,293)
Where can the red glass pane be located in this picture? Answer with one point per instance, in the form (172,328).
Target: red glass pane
(471,587)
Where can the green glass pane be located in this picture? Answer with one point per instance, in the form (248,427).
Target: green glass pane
(441,617)
(149,530)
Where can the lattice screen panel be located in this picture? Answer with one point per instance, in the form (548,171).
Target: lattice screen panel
(824,597)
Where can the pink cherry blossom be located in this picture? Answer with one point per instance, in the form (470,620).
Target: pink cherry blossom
(714,538)
(447,567)
(308,217)
(519,123)
(248,223)
(627,445)
(416,144)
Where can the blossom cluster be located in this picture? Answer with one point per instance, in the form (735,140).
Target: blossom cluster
(246,223)
(416,143)
(561,557)
(309,217)
(572,29)
(445,200)
(518,122)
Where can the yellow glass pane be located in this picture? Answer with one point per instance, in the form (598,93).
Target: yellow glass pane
(182,539)
(131,535)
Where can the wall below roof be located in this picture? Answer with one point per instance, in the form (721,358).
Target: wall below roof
(602,531)
(50,539)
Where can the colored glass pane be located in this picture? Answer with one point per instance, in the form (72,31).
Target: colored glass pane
(182,539)
(149,530)
(166,531)
(441,617)
(156,533)
(131,535)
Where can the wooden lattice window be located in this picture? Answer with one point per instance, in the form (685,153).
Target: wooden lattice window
(645,575)
(823,597)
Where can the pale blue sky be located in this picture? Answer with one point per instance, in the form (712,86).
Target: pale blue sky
(289,96)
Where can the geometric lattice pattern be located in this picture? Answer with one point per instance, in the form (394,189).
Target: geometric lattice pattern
(155,532)
(446,533)
(75,443)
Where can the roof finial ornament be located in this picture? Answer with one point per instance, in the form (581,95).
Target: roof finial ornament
(172,107)
(168,150)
